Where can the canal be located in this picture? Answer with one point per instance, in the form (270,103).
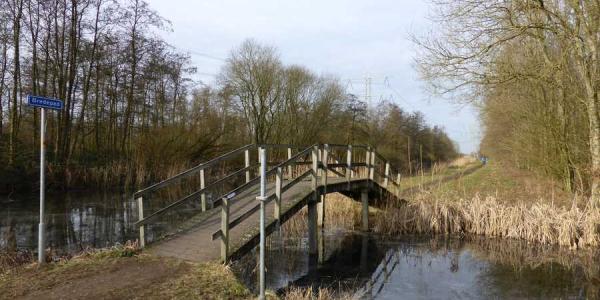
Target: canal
(351,263)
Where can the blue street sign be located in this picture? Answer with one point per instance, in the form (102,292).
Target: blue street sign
(44,102)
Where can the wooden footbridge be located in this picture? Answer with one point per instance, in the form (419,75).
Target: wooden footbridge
(224,219)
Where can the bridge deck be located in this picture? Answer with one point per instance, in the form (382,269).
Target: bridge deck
(196,244)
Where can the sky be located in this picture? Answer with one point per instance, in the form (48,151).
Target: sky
(348,39)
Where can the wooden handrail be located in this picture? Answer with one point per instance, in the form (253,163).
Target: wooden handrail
(191,171)
(192,195)
(255,208)
(291,161)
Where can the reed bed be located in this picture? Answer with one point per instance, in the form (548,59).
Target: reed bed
(540,221)
(297,293)
(341,212)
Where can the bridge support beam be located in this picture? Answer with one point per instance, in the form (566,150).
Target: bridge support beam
(225,229)
(312,228)
(364,198)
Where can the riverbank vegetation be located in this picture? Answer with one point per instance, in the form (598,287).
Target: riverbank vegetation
(133,113)
(491,202)
(533,68)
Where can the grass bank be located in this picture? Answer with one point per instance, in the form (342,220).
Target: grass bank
(495,201)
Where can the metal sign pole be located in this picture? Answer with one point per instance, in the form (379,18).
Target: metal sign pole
(262,198)
(41,229)
(43,103)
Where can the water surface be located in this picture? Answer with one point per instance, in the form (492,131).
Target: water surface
(427,268)
(74,221)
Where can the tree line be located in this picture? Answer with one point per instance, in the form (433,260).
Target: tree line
(134,115)
(533,69)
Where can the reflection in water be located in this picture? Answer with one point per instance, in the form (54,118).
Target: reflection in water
(427,268)
(73,221)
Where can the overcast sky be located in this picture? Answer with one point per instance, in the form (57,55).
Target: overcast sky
(346,39)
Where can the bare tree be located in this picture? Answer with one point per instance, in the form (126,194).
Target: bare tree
(463,60)
(253,72)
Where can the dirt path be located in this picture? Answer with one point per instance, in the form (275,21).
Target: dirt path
(139,277)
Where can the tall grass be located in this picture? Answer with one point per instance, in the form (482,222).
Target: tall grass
(540,221)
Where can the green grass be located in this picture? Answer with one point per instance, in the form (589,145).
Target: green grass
(505,183)
(432,176)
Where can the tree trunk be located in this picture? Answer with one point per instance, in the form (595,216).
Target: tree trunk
(16,72)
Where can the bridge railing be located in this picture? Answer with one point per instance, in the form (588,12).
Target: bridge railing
(287,169)
(213,168)
(212,185)
(298,159)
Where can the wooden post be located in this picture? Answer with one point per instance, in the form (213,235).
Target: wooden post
(312,228)
(312,205)
(372,166)
(278,185)
(225,229)
(387,175)
(368,162)
(319,159)
(349,171)
(202,195)
(247,164)
(258,155)
(364,197)
(398,185)
(315,167)
(140,203)
(290,166)
(321,205)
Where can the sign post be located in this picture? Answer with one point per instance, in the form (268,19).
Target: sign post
(43,103)
(262,198)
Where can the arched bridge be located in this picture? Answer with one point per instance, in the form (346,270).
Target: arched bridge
(210,211)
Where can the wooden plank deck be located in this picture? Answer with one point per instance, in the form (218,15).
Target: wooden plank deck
(196,244)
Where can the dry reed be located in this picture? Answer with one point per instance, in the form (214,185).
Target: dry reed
(540,221)
(341,212)
(309,293)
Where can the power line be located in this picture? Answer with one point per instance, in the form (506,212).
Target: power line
(205,55)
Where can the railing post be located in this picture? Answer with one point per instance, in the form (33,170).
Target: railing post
(290,166)
(202,186)
(225,229)
(321,205)
(398,184)
(349,164)
(140,203)
(247,164)
(387,174)
(315,167)
(368,162)
(312,205)
(278,185)
(319,159)
(372,166)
